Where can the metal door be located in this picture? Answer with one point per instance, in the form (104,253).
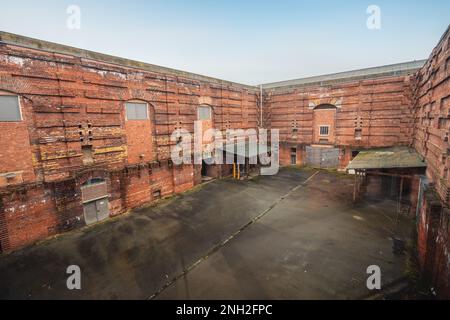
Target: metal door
(96,211)
(322,157)
(90,213)
(102,209)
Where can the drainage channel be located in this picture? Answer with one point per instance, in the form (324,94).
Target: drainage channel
(224,242)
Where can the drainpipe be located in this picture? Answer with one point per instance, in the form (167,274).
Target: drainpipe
(261,104)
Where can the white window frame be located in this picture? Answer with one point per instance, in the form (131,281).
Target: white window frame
(137,102)
(198,112)
(18,103)
(320,130)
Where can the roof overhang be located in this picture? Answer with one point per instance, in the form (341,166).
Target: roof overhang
(246,150)
(387,158)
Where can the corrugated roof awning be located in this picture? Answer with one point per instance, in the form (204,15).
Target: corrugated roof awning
(387,158)
(246,150)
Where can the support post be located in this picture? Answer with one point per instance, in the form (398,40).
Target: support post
(355,186)
(234,170)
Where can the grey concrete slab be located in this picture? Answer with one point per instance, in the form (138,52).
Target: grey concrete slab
(307,243)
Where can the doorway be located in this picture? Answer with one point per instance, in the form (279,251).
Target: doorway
(96,211)
(208,171)
(322,157)
(94,193)
(293,156)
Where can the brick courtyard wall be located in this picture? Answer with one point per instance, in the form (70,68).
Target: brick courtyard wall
(433,243)
(431,139)
(432,116)
(381,108)
(74,127)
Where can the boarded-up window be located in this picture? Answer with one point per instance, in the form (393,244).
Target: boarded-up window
(10,109)
(88,155)
(204,113)
(136,111)
(358,134)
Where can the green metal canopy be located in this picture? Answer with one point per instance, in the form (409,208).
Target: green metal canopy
(387,158)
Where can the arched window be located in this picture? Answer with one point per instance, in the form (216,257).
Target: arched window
(325,107)
(93,181)
(204,112)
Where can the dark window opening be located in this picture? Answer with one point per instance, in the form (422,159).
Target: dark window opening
(325,107)
(293,156)
(204,169)
(157,195)
(93,181)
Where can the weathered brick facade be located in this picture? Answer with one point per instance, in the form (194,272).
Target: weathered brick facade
(74,130)
(431,138)
(365,113)
(432,115)
(73,100)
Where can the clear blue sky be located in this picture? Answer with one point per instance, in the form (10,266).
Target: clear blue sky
(247,41)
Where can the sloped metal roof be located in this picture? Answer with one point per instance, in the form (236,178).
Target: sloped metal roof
(387,158)
(246,150)
(354,75)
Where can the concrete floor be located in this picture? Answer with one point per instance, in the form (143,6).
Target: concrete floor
(291,236)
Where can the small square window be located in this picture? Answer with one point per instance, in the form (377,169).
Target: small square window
(324,130)
(204,113)
(10,109)
(136,111)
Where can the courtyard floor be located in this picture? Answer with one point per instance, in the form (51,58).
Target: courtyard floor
(295,235)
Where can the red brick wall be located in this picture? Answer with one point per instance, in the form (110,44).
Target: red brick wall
(183,178)
(139,141)
(431,139)
(286,151)
(15,137)
(27,216)
(70,102)
(380,107)
(325,117)
(432,116)
(433,243)
(137,187)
